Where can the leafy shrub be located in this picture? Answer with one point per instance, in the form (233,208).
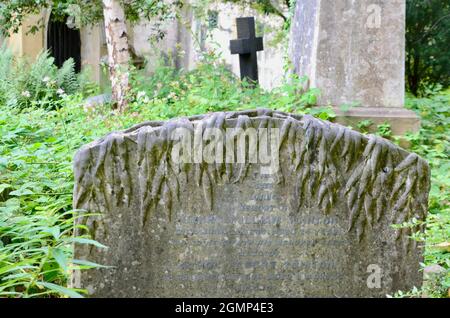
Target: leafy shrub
(23,84)
(212,87)
(433,143)
(427,62)
(35,254)
(36,216)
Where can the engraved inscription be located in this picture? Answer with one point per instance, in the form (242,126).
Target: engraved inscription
(270,245)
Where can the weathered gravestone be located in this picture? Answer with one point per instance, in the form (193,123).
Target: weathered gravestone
(354,52)
(319,225)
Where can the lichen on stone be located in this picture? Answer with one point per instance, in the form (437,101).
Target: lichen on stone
(323,162)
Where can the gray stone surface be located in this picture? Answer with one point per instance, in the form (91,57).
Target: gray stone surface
(95,101)
(318,227)
(352,50)
(431,271)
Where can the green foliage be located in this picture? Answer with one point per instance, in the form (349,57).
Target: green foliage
(23,84)
(432,142)
(83,12)
(267,6)
(427,39)
(384,130)
(12,13)
(35,252)
(212,87)
(36,216)
(364,125)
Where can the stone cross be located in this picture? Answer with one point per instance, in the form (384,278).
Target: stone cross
(246,45)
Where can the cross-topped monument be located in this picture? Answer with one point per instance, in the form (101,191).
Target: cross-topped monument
(246,45)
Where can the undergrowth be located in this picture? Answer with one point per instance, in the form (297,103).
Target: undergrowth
(41,132)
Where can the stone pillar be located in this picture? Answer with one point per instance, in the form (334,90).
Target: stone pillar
(93,51)
(28,44)
(354,52)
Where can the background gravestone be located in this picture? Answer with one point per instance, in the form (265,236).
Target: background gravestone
(318,227)
(354,52)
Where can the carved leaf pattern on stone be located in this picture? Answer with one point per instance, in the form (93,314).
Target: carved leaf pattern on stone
(327,162)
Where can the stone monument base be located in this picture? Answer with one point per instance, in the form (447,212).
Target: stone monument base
(401,120)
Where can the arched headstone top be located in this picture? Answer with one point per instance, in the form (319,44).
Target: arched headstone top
(294,168)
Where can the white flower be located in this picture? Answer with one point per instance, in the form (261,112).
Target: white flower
(61,93)
(140,94)
(26,94)
(46,79)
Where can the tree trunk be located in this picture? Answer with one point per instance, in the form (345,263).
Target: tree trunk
(118,51)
